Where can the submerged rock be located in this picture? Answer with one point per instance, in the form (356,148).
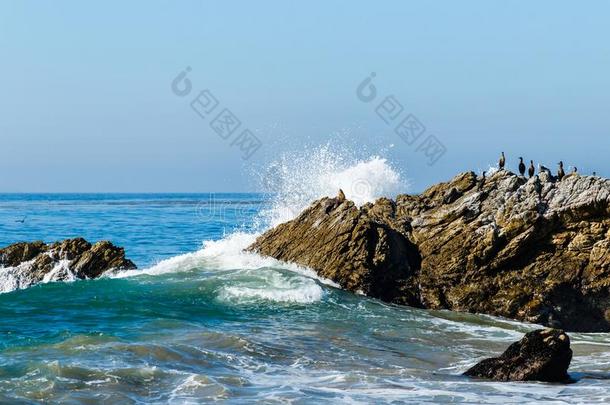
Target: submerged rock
(542,355)
(25,264)
(535,250)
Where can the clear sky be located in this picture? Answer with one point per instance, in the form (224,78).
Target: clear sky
(86,102)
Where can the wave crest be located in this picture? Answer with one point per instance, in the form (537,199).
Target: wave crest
(295,180)
(272,286)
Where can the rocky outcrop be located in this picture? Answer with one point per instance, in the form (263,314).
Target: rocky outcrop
(347,245)
(25,264)
(535,250)
(542,355)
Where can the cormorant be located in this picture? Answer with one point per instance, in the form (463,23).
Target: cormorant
(532,170)
(544,169)
(502,161)
(560,172)
(595,173)
(341,196)
(575,169)
(521,167)
(21,221)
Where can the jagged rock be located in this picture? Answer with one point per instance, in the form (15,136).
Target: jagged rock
(25,264)
(20,252)
(535,250)
(99,258)
(348,245)
(542,355)
(341,196)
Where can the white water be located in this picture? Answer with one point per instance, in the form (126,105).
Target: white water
(296,181)
(269,285)
(345,350)
(19,277)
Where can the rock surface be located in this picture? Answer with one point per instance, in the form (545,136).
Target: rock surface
(535,250)
(542,355)
(25,264)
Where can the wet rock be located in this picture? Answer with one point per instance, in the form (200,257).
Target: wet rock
(542,355)
(354,247)
(100,258)
(25,264)
(20,252)
(535,250)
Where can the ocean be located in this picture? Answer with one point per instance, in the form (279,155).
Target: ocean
(201,321)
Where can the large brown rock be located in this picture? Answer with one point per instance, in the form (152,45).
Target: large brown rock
(535,250)
(351,246)
(25,264)
(21,252)
(99,258)
(542,355)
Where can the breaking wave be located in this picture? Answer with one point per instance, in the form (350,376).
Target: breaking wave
(295,180)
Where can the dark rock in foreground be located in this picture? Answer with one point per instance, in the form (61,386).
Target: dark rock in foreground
(542,355)
(25,264)
(535,250)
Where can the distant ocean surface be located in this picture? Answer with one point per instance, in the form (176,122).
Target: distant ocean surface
(201,321)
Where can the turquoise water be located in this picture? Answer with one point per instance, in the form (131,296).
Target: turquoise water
(200,321)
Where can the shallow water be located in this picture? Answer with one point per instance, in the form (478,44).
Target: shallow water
(206,322)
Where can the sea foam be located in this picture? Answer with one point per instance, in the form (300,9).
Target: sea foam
(294,181)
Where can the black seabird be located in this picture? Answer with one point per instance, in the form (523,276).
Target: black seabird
(521,167)
(560,172)
(502,161)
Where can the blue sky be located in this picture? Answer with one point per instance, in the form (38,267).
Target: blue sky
(86,103)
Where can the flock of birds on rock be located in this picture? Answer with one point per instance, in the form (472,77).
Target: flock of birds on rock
(531,170)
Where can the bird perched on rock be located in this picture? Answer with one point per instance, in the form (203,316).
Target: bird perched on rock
(560,172)
(575,169)
(521,166)
(502,161)
(544,169)
(532,170)
(341,196)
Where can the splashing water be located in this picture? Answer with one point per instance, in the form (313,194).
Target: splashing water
(220,324)
(297,179)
